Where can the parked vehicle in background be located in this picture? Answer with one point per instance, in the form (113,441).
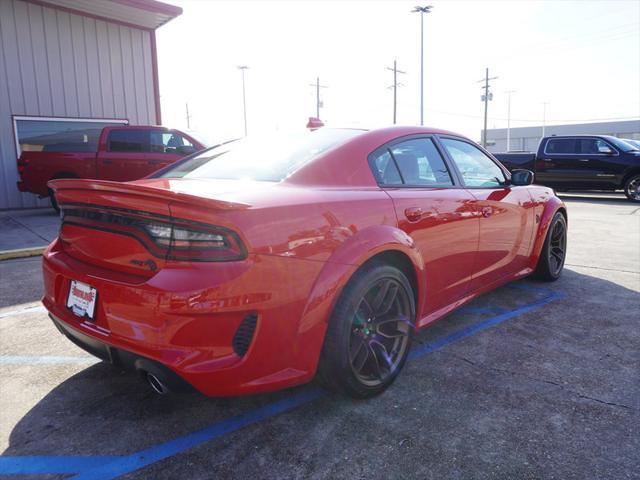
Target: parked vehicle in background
(632,142)
(582,162)
(253,265)
(119,153)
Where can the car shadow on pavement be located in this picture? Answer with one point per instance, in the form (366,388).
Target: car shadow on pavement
(583,345)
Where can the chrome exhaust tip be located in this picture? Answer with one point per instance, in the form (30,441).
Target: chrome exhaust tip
(156,384)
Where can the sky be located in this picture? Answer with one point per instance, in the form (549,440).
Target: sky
(581,58)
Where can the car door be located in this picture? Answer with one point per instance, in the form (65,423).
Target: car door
(573,163)
(506,213)
(433,210)
(126,154)
(167,146)
(601,168)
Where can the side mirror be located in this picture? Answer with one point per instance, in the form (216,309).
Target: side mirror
(605,149)
(520,178)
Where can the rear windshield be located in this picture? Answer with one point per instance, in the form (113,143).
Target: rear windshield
(270,158)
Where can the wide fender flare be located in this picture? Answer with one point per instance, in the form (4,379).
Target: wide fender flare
(337,272)
(551,207)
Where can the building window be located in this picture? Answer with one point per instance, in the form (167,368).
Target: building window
(51,134)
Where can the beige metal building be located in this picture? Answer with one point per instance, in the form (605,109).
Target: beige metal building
(66,62)
(528,138)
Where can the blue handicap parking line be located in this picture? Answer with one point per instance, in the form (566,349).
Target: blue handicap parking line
(101,467)
(53,465)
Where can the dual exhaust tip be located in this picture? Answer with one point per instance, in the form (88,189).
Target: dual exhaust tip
(157,384)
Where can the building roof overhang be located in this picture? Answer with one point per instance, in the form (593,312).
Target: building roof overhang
(145,14)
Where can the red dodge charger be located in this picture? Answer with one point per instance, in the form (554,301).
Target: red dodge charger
(257,264)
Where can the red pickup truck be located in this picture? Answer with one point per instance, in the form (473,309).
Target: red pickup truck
(119,153)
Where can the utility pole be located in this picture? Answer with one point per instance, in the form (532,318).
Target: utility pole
(509,92)
(395,87)
(422,11)
(544,116)
(318,101)
(188,116)
(242,68)
(485,98)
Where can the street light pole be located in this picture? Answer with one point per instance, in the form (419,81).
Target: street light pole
(422,11)
(244,98)
(509,92)
(544,116)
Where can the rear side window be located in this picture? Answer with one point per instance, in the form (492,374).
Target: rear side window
(415,162)
(476,168)
(170,142)
(386,169)
(591,146)
(557,146)
(124,140)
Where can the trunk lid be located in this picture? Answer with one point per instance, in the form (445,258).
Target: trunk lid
(108,224)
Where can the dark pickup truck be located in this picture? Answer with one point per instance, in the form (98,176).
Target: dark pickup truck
(582,162)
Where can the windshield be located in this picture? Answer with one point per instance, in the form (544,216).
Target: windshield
(270,158)
(633,143)
(622,145)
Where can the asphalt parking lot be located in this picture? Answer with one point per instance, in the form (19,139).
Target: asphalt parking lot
(531,381)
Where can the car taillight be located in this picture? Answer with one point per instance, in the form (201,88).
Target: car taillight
(210,243)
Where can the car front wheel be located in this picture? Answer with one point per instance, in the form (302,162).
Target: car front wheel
(369,333)
(632,188)
(554,251)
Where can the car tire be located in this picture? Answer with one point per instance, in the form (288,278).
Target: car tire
(369,334)
(53,201)
(554,250)
(632,188)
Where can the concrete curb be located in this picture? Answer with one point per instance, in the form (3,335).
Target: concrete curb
(21,253)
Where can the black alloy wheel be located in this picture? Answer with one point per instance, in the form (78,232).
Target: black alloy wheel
(369,334)
(632,188)
(380,332)
(554,251)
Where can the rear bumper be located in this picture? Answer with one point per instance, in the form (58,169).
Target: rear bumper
(186,318)
(122,358)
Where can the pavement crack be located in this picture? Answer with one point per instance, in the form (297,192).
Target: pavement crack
(483,366)
(606,403)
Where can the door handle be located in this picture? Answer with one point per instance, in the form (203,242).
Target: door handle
(107,162)
(154,162)
(583,159)
(547,160)
(413,214)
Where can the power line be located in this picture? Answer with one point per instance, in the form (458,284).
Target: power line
(395,87)
(485,98)
(318,101)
